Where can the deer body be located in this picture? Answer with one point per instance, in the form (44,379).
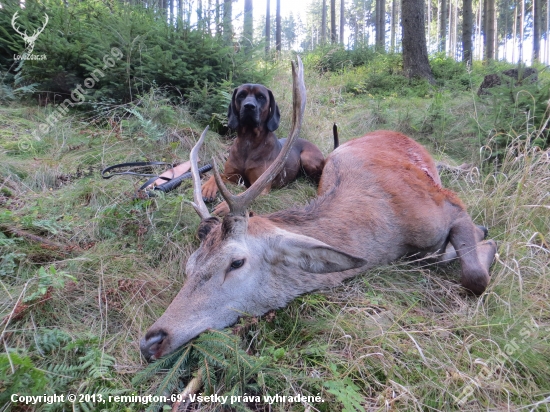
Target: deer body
(376,201)
(379,199)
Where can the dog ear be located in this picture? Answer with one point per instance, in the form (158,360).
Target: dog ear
(274,114)
(233,113)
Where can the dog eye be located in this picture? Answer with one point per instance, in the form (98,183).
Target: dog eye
(236,264)
(260,97)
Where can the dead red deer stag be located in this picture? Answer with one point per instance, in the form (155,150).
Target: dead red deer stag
(379,199)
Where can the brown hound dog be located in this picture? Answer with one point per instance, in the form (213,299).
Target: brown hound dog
(254,113)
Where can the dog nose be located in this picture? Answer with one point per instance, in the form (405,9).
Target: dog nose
(249,106)
(151,344)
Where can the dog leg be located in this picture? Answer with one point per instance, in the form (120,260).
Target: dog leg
(209,190)
(312,161)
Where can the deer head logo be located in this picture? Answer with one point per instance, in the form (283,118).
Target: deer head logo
(29,40)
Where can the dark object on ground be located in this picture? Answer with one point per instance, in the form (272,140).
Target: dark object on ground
(170,184)
(528,74)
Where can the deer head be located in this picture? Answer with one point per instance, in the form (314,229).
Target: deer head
(29,40)
(245,265)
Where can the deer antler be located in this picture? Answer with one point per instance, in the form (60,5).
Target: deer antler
(13,19)
(198,203)
(238,204)
(38,31)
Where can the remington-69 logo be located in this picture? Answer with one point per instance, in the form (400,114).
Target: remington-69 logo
(29,40)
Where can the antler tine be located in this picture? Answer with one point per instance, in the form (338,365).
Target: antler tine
(38,31)
(198,203)
(13,19)
(238,204)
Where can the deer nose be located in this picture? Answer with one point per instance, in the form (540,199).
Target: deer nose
(151,344)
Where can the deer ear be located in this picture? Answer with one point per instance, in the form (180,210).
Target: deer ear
(233,113)
(313,256)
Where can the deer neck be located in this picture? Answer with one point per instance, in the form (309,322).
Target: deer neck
(324,219)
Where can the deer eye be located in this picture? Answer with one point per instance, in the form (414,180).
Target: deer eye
(236,264)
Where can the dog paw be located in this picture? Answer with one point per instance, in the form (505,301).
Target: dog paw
(209,191)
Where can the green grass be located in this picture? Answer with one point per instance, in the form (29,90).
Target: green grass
(401,337)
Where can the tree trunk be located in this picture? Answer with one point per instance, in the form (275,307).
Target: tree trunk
(442,26)
(227,24)
(218,29)
(208,18)
(484,28)
(324,23)
(521,28)
(490,36)
(356,31)
(393,24)
(342,21)
(479,43)
(248,27)
(278,25)
(515,35)
(455,31)
(537,26)
(380,28)
(267,27)
(467,25)
(428,23)
(171,12)
(200,21)
(333,21)
(450,30)
(162,6)
(415,52)
(180,13)
(495,40)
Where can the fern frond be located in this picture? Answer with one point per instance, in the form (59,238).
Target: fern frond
(50,339)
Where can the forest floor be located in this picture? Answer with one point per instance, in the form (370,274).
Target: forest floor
(86,268)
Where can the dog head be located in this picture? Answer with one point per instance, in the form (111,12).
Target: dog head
(253,105)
